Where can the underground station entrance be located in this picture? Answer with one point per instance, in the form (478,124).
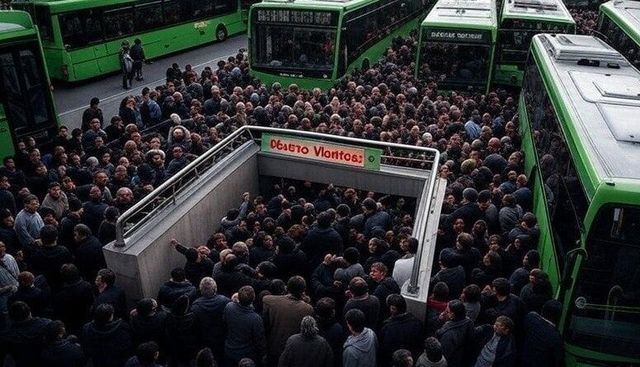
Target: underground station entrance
(190,205)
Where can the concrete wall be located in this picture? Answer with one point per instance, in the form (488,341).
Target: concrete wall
(147,259)
(389,180)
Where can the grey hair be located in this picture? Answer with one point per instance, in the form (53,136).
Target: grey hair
(208,287)
(308,327)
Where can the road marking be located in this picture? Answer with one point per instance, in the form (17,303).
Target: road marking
(150,85)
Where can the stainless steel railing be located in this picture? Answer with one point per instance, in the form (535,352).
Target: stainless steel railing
(415,157)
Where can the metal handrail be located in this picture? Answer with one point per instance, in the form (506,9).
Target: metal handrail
(192,168)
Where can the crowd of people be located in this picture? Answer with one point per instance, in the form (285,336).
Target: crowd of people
(303,275)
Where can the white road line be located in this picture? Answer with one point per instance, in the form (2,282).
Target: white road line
(150,85)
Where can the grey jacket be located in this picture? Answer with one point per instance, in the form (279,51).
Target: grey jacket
(360,350)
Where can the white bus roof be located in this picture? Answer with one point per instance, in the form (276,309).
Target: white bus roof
(549,10)
(463,14)
(603,101)
(627,12)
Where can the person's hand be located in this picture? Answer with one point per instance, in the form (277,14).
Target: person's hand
(235,298)
(328,258)
(246,196)
(337,284)
(348,294)
(173,242)
(133,312)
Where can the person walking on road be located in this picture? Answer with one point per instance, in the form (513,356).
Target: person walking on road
(126,64)
(137,54)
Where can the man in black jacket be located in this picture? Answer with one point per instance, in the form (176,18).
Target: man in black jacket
(456,335)
(25,337)
(89,256)
(208,310)
(543,344)
(72,304)
(400,331)
(48,258)
(106,341)
(177,286)
(321,240)
(109,293)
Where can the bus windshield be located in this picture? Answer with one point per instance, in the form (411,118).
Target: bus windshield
(605,314)
(286,48)
(453,64)
(516,35)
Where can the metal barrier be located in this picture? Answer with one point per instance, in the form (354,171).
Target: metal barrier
(413,157)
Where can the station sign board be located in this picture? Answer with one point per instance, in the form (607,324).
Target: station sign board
(348,155)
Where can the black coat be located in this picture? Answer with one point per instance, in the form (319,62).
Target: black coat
(89,257)
(382,290)
(456,338)
(211,329)
(72,304)
(335,335)
(24,341)
(402,331)
(370,306)
(47,260)
(469,212)
(170,291)
(93,214)
(181,337)
(115,297)
(63,353)
(543,345)
(453,277)
(109,345)
(37,300)
(149,328)
(511,306)
(319,242)
(231,280)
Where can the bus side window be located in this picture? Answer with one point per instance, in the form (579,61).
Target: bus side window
(118,22)
(566,200)
(148,16)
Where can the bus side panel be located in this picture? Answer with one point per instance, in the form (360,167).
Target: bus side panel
(103,58)
(548,259)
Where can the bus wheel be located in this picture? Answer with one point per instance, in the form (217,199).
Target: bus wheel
(221,33)
(365,64)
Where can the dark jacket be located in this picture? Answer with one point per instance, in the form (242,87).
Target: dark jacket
(534,297)
(319,242)
(402,331)
(543,345)
(453,277)
(90,258)
(67,224)
(47,260)
(208,312)
(37,300)
(258,254)
(380,219)
(231,280)
(115,297)
(383,289)
(456,338)
(246,336)
(72,304)
(510,306)
(93,214)
(322,282)
(24,341)
(194,270)
(469,212)
(181,337)
(109,345)
(170,291)
(149,328)
(370,306)
(290,264)
(335,335)
(301,351)
(63,353)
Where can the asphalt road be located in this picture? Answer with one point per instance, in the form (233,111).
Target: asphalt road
(72,99)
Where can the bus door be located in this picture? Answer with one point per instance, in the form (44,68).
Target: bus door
(24,98)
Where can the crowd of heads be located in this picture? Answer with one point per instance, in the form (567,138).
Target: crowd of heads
(301,267)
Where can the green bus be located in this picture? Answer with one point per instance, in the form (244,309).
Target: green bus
(314,43)
(579,107)
(26,102)
(82,38)
(619,25)
(519,21)
(457,44)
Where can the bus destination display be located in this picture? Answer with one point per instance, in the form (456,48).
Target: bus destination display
(301,17)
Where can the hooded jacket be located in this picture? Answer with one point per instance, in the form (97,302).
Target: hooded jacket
(24,341)
(170,291)
(109,345)
(208,312)
(360,350)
